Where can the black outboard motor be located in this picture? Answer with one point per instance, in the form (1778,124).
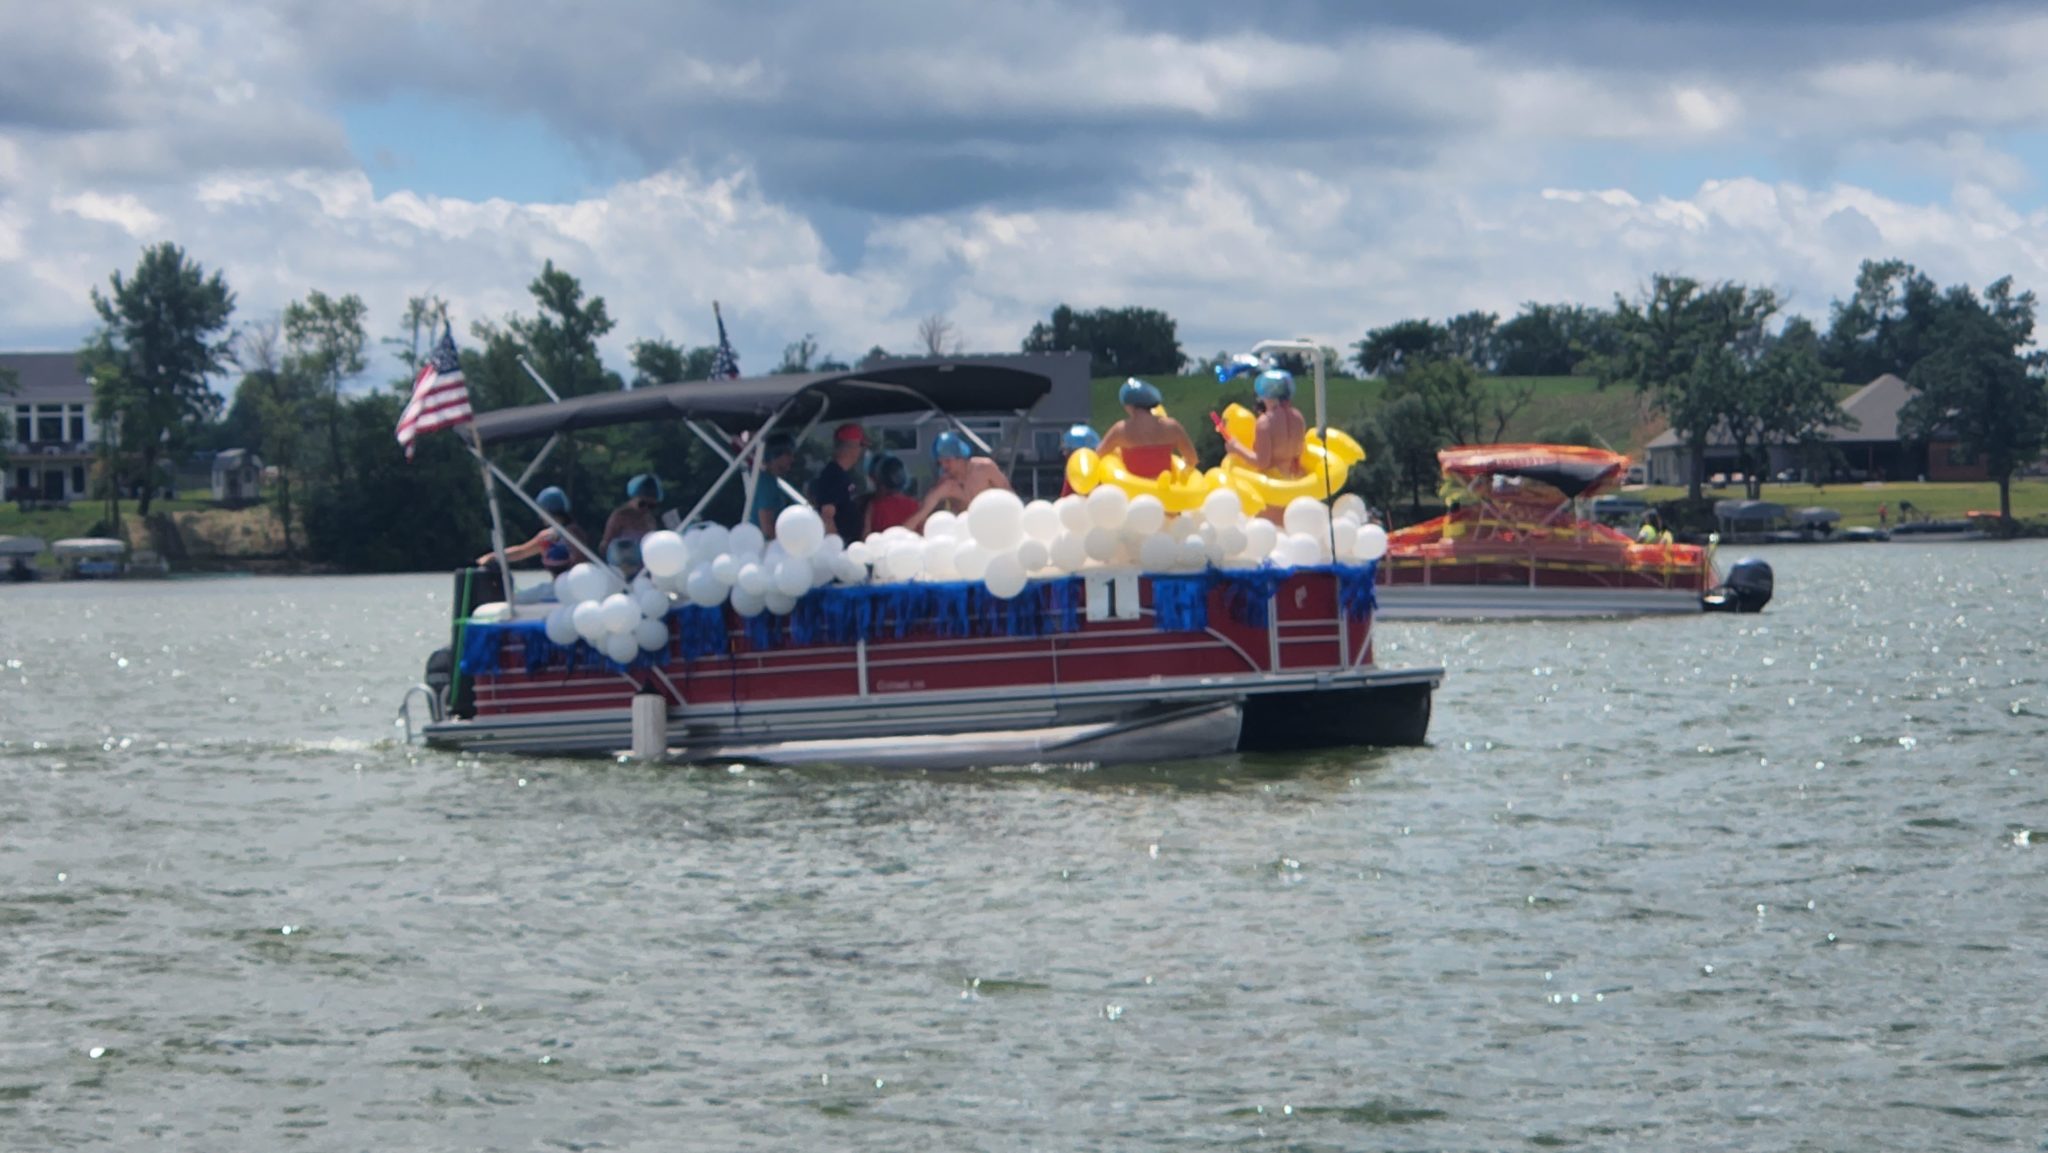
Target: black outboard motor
(1747,589)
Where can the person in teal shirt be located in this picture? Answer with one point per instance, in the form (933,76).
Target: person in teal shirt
(778,453)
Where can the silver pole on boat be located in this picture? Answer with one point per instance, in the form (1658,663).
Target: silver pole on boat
(476,446)
(574,541)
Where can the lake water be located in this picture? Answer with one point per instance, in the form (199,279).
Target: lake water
(1765,882)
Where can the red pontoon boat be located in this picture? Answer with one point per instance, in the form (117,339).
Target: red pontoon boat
(1103,665)
(1515,545)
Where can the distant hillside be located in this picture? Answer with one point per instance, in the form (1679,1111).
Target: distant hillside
(1617,417)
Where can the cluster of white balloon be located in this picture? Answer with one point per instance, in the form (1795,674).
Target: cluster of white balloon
(1001,542)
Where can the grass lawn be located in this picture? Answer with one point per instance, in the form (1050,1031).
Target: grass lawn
(1858,502)
(82,516)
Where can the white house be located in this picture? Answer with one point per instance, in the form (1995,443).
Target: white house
(49,439)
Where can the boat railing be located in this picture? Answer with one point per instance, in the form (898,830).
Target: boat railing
(405,720)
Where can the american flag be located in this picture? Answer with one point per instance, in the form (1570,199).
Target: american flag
(440,398)
(726,365)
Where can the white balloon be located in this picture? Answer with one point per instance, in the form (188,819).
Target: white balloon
(834,544)
(938,557)
(651,636)
(847,570)
(1145,515)
(1260,537)
(1073,512)
(621,613)
(621,647)
(1005,576)
(1372,543)
(1300,549)
(792,576)
(1183,527)
(652,602)
(1069,554)
(725,569)
(858,552)
(1222,507)
(1194,554)
(941,524)
(746,542)
(996,520)
(587,582)
(1041,521)
(1345,531)
(1350,504)
(1308,516)
(565,589)
(1101,544)
(1213,552)
(821,567)
(664,553)
(1033,554)
(587,618)
(747,604)
(755,579)
(970,560)
(561,625)
(1107,506)
(800,530)
(779,603)
(1231,539)
(706,540)
(704,589)
(903,561)
(1157,552)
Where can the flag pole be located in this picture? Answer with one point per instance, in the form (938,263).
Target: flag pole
(476,448)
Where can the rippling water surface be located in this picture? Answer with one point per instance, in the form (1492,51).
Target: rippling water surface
(1737,883)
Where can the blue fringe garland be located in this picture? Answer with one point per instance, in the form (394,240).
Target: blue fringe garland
(841,615)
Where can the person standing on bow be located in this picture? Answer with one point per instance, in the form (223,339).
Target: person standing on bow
(835,491)
(1146,440)
(962,477)
(631,521)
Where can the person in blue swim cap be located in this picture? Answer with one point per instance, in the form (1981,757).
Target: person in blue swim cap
(1279,435)
(962,476)
(1146,440)
(1079,436)
(631,521)
(556,554)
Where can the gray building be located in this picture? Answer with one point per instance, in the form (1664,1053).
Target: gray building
(49,437)
(1867,446)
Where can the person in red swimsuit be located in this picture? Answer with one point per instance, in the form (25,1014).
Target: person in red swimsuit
(1147,440)
(890,506)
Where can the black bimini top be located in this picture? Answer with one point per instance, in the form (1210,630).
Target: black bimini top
(955,386)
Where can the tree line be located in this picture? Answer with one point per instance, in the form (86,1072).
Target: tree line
(1718,360)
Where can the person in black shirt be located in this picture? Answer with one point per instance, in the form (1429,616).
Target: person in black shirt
(835,492)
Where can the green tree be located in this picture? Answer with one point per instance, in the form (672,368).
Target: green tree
(395,515)
(1551,339)
(423,317)
(1889,324)
(280,399)
(562,339)
(158,342)
(1470,336)
(657,362)
(1982,385)
(1390,350)
(324,341)
(1412,444)
(1452,397)
(797,355)
(1118,341)
(1781,396)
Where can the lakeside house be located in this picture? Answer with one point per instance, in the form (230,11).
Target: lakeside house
(49,438)
(1867,446)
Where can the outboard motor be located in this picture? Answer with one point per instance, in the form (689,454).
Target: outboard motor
(1747,588)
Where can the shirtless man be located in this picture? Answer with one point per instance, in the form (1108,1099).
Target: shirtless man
(1277,438)
(962,477)
(1147,442)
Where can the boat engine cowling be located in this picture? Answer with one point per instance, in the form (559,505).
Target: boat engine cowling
(1746,589)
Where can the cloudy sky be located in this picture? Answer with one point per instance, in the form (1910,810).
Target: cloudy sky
(1286,168)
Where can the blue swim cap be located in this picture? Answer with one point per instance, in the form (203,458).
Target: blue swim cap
(1274,384)
(950,443)
(1137,394)
(644,485)
(1078,437)
(553,500)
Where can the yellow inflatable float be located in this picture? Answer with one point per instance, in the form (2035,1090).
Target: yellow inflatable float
(1326,465)
(1182,489)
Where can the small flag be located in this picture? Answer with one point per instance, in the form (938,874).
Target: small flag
(440,398)
(726,365)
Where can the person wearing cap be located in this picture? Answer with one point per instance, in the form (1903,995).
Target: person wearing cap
(891,505)
(1278,436)
(835,491)
(962,477)
(778,454)
(631,521)
(1146,440)
(556,554)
